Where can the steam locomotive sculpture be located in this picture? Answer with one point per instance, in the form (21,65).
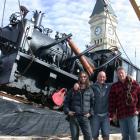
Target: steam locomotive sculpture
(36,65)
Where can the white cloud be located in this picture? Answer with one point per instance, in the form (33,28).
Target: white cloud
(73,16)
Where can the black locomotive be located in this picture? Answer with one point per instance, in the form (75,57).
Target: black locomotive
(36,65)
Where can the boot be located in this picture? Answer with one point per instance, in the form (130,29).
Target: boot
(105,138)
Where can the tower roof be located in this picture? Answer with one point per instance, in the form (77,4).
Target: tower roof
(101,6)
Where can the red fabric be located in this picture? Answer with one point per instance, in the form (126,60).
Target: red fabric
(118,96)
(58,97)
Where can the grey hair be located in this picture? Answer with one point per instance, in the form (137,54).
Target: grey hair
(121,68)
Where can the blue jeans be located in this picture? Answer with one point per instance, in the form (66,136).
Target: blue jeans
(84,124)
(97,123)
(129,127)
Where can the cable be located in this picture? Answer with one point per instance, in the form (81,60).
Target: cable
(2,19)
(26,35)
(3,13)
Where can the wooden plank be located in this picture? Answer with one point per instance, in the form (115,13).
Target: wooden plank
(4,95)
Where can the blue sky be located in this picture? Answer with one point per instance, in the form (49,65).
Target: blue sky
(72,16)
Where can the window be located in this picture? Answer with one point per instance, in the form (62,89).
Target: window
(126,66)
(138,76)
(134,73)
(101,40)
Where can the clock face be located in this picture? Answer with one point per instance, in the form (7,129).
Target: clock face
(98,30)
(110,30)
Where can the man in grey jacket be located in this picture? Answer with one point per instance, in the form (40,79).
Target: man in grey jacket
(100,119)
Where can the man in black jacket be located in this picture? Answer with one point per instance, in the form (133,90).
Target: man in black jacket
(78,105)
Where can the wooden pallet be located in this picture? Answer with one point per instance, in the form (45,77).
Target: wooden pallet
(15,98)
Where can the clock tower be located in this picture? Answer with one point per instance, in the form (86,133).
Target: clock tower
(103,24)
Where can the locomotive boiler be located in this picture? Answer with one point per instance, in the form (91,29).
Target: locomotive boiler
(36,65)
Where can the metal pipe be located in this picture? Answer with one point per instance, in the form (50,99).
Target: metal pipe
(83,60)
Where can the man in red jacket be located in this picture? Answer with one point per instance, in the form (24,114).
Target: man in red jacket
(124,104)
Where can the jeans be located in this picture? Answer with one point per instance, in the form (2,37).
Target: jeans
(100,122)
(129,127)
(82,122)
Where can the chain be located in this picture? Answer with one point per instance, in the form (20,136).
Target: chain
(129,98)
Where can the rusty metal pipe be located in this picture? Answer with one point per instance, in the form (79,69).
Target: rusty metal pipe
(83,60)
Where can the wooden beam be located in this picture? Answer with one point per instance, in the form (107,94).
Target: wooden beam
(136,8)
